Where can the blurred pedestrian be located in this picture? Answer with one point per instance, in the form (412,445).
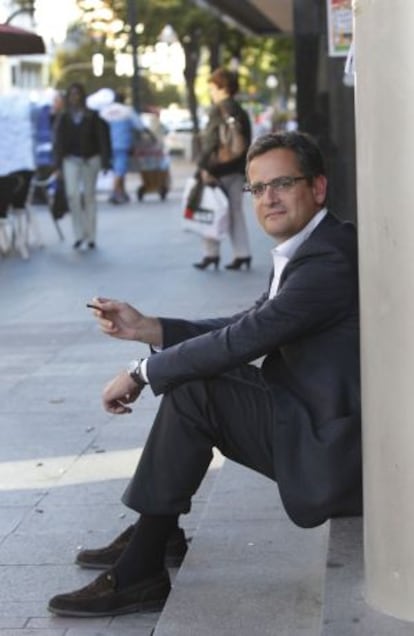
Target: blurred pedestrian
(123,121)
(81,149)
(58,104)
(217,164)
(44,113)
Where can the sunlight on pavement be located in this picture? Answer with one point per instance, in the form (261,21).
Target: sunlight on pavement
(72,469)
(67,469)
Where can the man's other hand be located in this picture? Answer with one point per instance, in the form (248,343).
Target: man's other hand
(119,392)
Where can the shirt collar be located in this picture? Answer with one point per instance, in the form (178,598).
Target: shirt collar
(289,247)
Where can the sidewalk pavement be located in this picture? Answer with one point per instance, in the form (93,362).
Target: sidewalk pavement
(64,461)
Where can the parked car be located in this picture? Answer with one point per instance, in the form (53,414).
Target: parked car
(179,138)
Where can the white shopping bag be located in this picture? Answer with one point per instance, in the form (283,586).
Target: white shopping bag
(207,214)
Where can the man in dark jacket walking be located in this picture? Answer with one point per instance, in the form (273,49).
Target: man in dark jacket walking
(295,418)
(81,148)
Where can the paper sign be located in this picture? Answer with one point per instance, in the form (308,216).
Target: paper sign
(339,27)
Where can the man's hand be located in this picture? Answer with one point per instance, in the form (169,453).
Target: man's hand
(121,320)
(119,392)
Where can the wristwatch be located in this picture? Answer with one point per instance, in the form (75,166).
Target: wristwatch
(134,370)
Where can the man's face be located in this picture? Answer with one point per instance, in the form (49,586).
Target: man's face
(283,213)
(75,97)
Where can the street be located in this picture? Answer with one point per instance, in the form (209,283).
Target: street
(64,461)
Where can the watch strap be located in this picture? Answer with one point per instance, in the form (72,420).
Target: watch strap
(134,371)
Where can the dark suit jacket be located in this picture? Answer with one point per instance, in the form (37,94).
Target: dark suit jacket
(91,135)
(309,333)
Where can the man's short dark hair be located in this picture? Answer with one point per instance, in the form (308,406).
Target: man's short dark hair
(304,146)
(225,79)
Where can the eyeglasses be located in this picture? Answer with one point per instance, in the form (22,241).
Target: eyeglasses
(280,184)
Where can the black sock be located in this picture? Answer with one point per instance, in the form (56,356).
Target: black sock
(145,553)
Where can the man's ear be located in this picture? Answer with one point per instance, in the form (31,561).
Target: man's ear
(319,188)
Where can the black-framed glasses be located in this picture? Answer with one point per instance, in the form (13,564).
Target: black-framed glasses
(280,184)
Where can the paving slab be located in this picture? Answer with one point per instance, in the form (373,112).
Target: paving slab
(346,613)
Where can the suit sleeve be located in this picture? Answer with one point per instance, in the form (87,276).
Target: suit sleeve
(177,330)
(319,290)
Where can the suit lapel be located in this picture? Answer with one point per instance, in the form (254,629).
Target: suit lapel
(324,227)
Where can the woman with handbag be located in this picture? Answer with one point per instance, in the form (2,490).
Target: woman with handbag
(226,140)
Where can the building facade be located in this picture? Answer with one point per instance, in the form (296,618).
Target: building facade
(28,73)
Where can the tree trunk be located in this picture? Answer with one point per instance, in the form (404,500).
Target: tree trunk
(192,57)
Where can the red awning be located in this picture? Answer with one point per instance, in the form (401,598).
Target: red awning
(16,41)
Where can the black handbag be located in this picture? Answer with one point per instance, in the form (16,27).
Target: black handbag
(60,202)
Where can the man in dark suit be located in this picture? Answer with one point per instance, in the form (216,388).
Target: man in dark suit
(295,419)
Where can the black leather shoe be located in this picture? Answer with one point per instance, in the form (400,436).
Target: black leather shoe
(106,557)
(91,245)
(103,598)
(77,244)
(238,263)
(207,261)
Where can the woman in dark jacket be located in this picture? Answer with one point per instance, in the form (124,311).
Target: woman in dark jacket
(223,85)
(81,149)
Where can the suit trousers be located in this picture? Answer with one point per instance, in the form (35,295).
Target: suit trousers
(234,412)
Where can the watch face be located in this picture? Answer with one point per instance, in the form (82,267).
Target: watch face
(133,366)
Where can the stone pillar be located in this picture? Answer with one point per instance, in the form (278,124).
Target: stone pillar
(385,168)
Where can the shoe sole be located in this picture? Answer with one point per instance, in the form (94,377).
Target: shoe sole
(142,608)
(170,562)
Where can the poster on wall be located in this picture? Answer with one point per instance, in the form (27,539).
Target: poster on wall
(339,27)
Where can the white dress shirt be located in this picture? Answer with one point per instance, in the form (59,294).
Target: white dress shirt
(283,252)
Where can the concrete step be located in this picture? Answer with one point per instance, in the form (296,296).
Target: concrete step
(346,613)
(249,569)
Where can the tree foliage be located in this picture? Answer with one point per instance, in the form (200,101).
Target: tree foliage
(21,6)
(75,64)
(207,42)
